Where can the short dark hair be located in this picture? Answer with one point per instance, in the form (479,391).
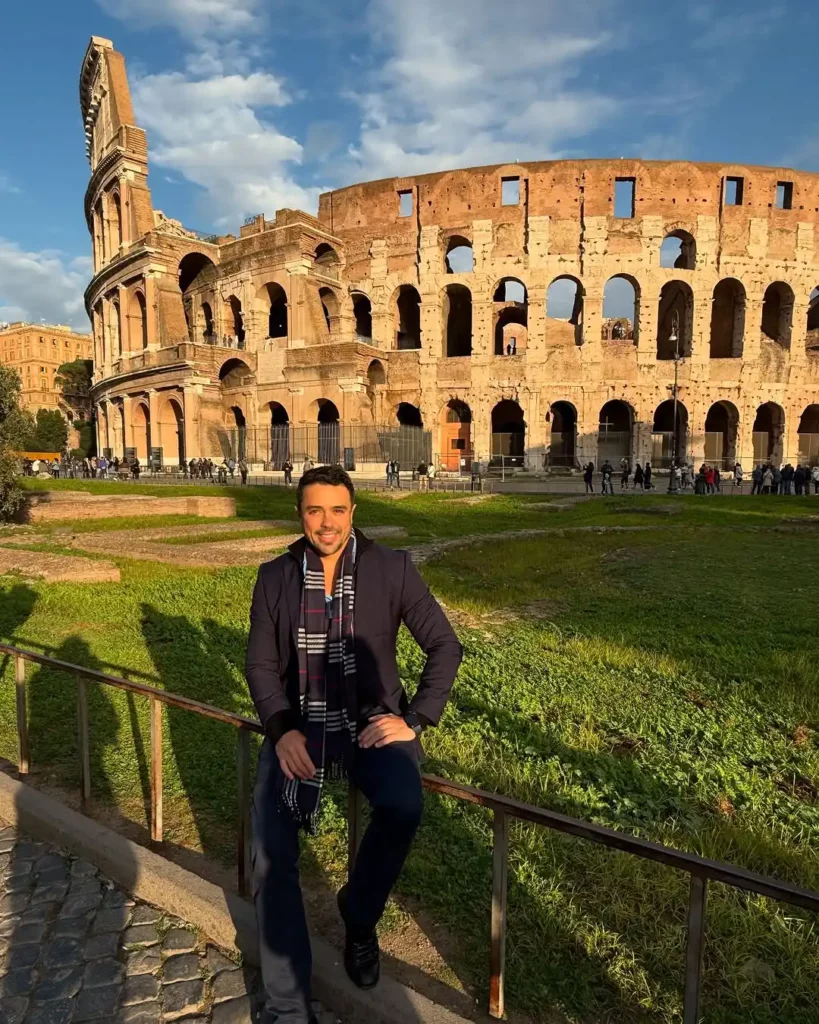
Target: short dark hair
(335,476)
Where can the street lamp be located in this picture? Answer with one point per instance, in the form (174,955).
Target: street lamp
(674,338)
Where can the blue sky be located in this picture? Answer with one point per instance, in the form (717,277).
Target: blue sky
(252,105)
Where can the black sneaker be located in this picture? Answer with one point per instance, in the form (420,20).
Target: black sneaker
(362,957)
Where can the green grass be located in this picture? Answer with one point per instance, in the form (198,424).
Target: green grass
(662,681)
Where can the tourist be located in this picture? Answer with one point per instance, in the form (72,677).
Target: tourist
(625,473)
(388,471)
(607,471)
(767,479)
(738,476)
(756,478)
(243,471)
(431,474)
(222,472)
(231,466)
(647,485)
(135,468)
(588,477)
(677,471)
(814,475)
(423,479)
(778,483)
(360,726)
(717,480)
(476,477)
(799,479)
(639,477)
(287,466)
(787,479)
(184,465)
(701,482)
(709,478)
(102,467)
(396,473)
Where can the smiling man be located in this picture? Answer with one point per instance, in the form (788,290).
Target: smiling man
(321,666)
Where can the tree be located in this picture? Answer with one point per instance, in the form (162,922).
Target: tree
(51,432)
(74,380)
(10,427)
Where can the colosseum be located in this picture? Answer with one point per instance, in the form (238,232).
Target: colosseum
(541,315)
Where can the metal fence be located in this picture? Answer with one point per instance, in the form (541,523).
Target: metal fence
(329,443)
(504,809)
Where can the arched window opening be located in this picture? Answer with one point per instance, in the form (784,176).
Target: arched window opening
(508,439)
(777,313)
(276,298)
(563,434)
(669,441)
(614,432)
(238,433)
(325,257)
(328,432)
(329,305)
(142,431)
(209,334)
(409,415)
(376,375)
(621,309)
(456,437)
(137,321)
(460,256)
(678,251)
(721,430)
(172,431)
(809,436)
(117,220)
(235,322)
(769,429)
(812,340)
(675,320)
(279,435)
(407,318)
(116,324)
(195,269)
(727,320)
(235,374)
(511,317)
(363,313)
(457,312)
(564,310)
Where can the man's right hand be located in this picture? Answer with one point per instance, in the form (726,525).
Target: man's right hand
(291,751)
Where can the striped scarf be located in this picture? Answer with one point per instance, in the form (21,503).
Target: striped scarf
(327,683)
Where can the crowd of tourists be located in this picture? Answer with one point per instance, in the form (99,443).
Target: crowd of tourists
(708,479)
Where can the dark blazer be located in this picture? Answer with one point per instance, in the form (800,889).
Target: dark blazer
(388,590)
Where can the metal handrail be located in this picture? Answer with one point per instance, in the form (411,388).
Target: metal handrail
(700,869)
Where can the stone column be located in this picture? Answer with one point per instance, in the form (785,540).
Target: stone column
(647,336)
(154,438)
(151,300)
(128,417)
(191,402)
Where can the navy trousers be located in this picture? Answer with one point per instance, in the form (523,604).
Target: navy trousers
(390,779)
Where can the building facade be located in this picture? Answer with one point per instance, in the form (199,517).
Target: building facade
(36,351)
(543,314)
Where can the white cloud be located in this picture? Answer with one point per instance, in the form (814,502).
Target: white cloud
(212,131)
(486,83)
(42,285)
(193,19)
(8,186)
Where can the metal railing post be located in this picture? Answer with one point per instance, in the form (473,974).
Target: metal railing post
(500,887)
(157,824)
(84,739)
(244,830)
(23,749)
(693,951)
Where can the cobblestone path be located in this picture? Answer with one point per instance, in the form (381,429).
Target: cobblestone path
(75,948)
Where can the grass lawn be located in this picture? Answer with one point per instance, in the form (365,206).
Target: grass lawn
(662,681)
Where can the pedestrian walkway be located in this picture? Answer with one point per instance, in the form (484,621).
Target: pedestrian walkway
(75,948)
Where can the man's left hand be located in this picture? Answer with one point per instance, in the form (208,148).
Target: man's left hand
(385,729)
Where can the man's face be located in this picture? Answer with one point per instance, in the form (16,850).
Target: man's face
(327,516)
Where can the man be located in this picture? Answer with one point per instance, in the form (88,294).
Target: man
(389,474)
(321,667)
(287,466)
(423,479)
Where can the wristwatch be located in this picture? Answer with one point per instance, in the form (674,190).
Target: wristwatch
(414,722)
